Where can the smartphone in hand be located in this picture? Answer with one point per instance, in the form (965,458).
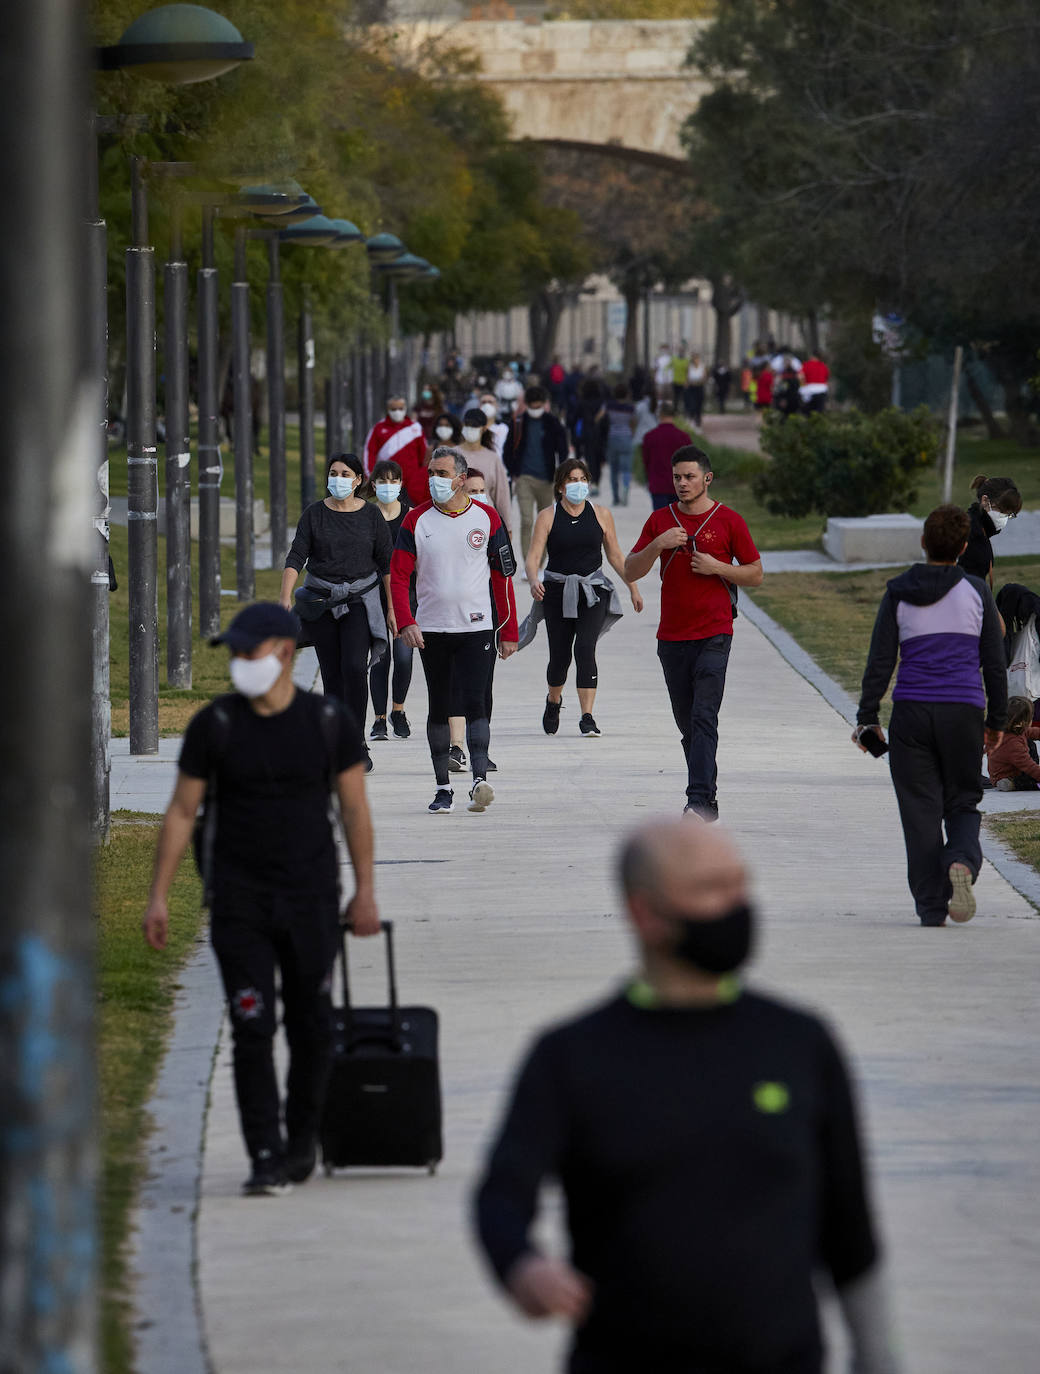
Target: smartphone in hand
(873,743)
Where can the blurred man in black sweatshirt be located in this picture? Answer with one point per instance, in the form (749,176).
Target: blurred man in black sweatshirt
(705,1139)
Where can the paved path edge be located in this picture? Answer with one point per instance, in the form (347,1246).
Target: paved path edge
(1022,877)
(167,1318)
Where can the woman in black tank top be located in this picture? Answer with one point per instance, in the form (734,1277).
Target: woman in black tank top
(574,534)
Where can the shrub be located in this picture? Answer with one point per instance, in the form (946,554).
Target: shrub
(845,463)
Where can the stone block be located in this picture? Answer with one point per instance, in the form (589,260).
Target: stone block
(261,520)
(874,539)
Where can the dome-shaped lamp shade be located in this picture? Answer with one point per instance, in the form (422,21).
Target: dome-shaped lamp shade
(316,230)
(271,201)
(307,210)
(178,44)
(384,247)
(347,233)
(407,265)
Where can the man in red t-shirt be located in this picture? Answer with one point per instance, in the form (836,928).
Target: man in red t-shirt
(816,376)
(706,552)
(659,444)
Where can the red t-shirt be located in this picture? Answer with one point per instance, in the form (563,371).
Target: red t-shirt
(815,371)
(694,606)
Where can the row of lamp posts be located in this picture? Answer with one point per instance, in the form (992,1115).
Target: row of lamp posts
(164,44)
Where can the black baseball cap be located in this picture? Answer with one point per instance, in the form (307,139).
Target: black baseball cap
(263,620)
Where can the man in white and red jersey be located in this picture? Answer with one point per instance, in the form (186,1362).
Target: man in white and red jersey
(398,439)
(463,563)
(706,552)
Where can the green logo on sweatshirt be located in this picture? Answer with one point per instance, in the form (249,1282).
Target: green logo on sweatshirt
(771,1098)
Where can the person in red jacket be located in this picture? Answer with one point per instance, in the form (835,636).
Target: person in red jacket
(398,439)
(659,444)
(816,376)
(764,389)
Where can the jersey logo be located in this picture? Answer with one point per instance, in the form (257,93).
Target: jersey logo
(771,1098)
(476,616)
(477,539)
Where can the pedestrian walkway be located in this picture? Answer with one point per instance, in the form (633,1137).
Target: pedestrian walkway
(510,918)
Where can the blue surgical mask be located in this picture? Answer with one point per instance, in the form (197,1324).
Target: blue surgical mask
(576,492)
(341,487)
(442,489)
(388,492)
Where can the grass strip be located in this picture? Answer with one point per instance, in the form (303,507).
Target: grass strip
(1020,832)
(135,989)
(831,615)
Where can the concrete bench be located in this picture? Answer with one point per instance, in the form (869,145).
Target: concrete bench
(874,539)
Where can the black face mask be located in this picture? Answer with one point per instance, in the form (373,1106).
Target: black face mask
(719,945)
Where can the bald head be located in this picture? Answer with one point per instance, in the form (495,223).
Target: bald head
(684,868)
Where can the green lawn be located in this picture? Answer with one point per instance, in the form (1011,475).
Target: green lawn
(136,989)
(1020,832)
(209,666)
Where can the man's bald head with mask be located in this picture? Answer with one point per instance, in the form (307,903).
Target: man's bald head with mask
(685,889)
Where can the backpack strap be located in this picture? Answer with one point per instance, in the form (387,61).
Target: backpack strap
(206,824)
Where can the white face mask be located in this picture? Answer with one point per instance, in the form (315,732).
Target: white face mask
(387,492)
(254,677)
(489,409)
(999,518)
(471,435)
(443,431)
(340,487)
(477,495)
(536,412)
(396,415)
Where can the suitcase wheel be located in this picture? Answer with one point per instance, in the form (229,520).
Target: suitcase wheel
(431,1168)
(329,1170)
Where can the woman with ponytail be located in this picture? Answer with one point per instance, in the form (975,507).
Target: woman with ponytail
(997,500)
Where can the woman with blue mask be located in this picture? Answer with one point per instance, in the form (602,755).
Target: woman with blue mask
(574,597)
(393,505)
(345,545)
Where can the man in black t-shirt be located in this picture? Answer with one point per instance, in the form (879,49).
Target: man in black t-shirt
(706,1143)
(274,753)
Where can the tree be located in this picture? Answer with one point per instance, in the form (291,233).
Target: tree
(881,155)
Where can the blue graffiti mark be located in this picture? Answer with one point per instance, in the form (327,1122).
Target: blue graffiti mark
(42,994)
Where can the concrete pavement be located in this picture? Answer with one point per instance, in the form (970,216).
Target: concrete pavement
(375,1273)
(508,919)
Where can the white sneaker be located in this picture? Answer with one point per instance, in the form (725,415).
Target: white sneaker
(482,794)
(962,899)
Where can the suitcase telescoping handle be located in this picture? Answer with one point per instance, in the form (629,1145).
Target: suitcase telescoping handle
(391,978)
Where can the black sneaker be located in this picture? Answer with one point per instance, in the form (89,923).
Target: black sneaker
(588,726)
(551,716)
(492,767)
(399,724)
(443,801)
(268,1178)
(369,765)
(378,730)
(456,759)
(300,1160)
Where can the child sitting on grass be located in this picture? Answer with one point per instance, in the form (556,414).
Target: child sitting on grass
(1012,764)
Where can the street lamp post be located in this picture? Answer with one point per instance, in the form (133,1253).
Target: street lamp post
(178,457)
(210,462)
(276,406)
(142,476)
(305,365)
(242,429)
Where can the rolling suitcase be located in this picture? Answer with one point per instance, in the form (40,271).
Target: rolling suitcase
(383,1106)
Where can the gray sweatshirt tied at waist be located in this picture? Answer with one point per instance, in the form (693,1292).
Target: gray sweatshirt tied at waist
(343,598)
(574,586)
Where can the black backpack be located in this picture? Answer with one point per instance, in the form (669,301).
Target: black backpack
(204,834)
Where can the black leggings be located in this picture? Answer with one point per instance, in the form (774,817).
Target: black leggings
(379,677)
(457,668)
(342,647)
(573,636)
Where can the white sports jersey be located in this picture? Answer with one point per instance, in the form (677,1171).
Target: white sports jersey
(453,556)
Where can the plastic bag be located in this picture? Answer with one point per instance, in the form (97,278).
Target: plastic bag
(1024,668)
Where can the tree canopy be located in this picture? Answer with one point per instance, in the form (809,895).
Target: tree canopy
(883,154)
